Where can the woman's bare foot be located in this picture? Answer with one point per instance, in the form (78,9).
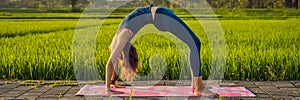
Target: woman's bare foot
(199,85)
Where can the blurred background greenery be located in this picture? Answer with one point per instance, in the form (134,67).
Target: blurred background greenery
(226,9)
(262,37)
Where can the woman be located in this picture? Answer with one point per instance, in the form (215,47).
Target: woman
(163,19)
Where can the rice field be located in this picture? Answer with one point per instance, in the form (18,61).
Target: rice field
(256,50)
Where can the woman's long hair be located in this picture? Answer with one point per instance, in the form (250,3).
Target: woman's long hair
(129,62)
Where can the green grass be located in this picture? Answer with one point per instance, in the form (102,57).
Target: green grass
(256,49)
(12,28)
(15,27)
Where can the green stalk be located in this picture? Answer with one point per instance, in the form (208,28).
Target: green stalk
(130,96)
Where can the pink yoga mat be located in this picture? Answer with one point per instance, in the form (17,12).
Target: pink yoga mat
(143,91)
(232,91)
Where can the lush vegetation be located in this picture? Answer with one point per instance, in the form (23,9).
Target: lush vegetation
(75,5)
(101,13)
(256,49)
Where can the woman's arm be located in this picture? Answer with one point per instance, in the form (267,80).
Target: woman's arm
(109,70)
(115,64)
(122,38)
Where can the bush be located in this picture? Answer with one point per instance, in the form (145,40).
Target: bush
(41,8)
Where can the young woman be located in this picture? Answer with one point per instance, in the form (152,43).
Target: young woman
(163,19)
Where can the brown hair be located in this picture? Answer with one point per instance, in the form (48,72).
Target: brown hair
(129,63)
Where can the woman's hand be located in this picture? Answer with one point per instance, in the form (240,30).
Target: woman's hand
(112,86)
(116,86)
(109,91)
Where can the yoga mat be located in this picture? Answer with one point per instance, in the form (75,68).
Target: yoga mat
(148,91)
(232,91)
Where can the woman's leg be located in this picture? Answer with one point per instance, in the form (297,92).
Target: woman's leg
(166,20)
(184,33)
(175,25)
(188,37)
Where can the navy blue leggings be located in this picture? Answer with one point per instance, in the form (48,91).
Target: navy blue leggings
(166,20)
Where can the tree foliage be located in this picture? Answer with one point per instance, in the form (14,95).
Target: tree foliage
(226,4)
